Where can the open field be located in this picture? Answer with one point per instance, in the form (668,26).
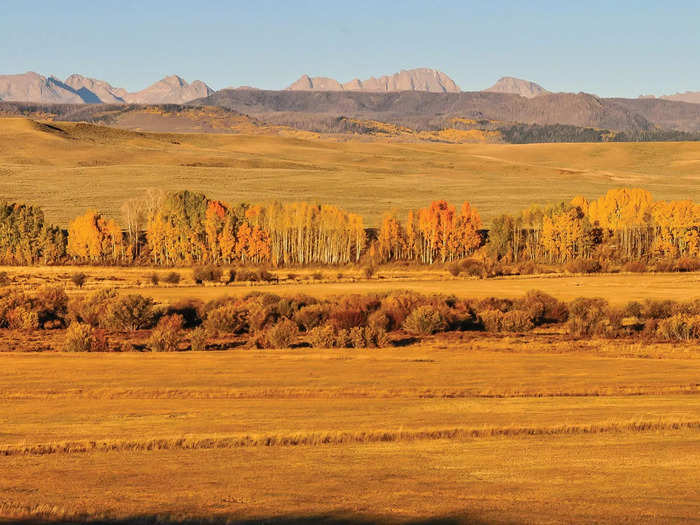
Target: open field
(70,167)
(437,430)
(616,288)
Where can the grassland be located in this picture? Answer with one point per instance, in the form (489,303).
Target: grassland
(616,288)
(70,167)
(439,430)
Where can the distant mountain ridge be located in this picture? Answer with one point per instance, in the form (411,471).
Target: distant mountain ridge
(692,97)
(517,86)
(420,79)
(78,89)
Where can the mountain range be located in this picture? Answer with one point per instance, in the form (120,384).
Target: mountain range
(421,79)
(77,89)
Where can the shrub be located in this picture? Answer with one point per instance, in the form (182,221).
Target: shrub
(357,337)
(317,276)
(323,336)
(198,339)
(398,306)
(654,309)
(368,271)
(634,267)
(680,327)
(94,308)
(424,320)
(281,335)
(21,318)
(633,309)
(189,309)
(343,317)
(81,337)
(291,277)
(588,317)
(261,316)
(516,321)
(5,279)
(78,279)
(493,303)
(230,318)
(201,274)
(309,317)
(687,264)
(51,306)
(543,308)
(474,268)
(527,268)
(131,312)
(454,268)
(342,339)
(167,334)
(375,337)
(379,320)
(172,278)
(491,320)
(243,275)
(583,266)
(263,275)
(154,278)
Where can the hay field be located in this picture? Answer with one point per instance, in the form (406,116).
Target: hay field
(69,167)
(441,430)
(616,288)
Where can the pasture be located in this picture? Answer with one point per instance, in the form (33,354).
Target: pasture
(438,430)
(616,288)
(67,168)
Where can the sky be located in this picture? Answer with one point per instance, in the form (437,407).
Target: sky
(616,48)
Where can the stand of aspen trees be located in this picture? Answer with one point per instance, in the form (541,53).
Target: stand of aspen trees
(184,228)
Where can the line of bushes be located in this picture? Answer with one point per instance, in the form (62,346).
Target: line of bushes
(267,320)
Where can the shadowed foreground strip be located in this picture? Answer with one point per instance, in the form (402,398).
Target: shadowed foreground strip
(338,438)
(44,514)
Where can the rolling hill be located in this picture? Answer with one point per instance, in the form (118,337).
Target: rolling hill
(70,167)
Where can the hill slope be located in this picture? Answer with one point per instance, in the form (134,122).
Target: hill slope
(692,97)
(422,110)
(71,167)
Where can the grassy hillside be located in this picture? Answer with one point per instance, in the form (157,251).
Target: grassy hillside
(68,167)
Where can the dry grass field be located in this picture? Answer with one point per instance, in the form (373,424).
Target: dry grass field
(449,431)
(616,288)
(70,167)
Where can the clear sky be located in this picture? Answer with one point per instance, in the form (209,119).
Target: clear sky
(612,48)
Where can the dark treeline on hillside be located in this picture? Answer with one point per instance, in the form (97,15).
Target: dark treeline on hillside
(624,227)
(537,134)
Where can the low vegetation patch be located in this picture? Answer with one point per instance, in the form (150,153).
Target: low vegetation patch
(346,321)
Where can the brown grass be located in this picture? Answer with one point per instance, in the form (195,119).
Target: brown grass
(616,288)
(337,438)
